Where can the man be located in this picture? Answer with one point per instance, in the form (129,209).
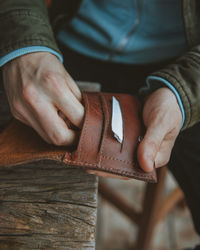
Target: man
(121,44)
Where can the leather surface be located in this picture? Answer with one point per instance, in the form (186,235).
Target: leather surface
(97,148)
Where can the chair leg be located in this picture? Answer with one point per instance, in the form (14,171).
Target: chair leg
(151,204)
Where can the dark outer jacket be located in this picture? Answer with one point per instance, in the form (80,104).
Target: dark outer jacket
(27,23)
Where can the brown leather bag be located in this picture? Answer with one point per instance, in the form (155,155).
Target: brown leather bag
(97,148)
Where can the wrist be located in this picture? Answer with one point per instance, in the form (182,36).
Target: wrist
(27,50)
(164,102)
(154,82)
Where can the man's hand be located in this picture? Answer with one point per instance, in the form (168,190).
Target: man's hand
(41,93)
(162,118)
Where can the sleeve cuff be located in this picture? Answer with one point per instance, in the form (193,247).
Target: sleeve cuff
(153,82)
(22,51)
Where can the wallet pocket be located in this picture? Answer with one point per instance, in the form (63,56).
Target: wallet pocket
(115,156)
(87,152)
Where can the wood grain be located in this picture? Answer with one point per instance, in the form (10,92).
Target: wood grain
(47,205)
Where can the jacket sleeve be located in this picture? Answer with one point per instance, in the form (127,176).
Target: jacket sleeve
(24,23)
(184,75)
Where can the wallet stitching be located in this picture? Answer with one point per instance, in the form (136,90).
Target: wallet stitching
(117,159)
(103,168)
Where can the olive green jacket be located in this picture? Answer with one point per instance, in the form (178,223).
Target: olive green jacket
(27,23)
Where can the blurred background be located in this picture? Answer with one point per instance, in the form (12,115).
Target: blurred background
(116,232)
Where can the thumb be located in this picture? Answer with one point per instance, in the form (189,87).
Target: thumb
(149,147)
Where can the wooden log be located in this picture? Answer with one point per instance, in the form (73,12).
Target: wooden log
(47,206)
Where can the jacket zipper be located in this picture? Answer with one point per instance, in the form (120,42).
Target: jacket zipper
(124,41)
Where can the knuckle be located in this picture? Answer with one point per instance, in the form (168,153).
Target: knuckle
(152,145)
(30,95)
(51,79)
(60,139)
(48,76)
(27,92)
(55,83)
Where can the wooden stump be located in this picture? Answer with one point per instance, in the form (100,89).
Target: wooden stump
(46,205)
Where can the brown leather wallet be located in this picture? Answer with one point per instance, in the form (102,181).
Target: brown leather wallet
(97,148)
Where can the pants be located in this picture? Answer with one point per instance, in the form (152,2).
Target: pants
(185,159)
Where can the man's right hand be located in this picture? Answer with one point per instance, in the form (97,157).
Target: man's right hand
(38,88)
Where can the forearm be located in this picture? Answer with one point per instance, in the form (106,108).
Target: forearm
(184,75)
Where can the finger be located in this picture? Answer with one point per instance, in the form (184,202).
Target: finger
(54,126)
(73,87)
(71,107)
(107,175)
(149,146)
(67,121)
